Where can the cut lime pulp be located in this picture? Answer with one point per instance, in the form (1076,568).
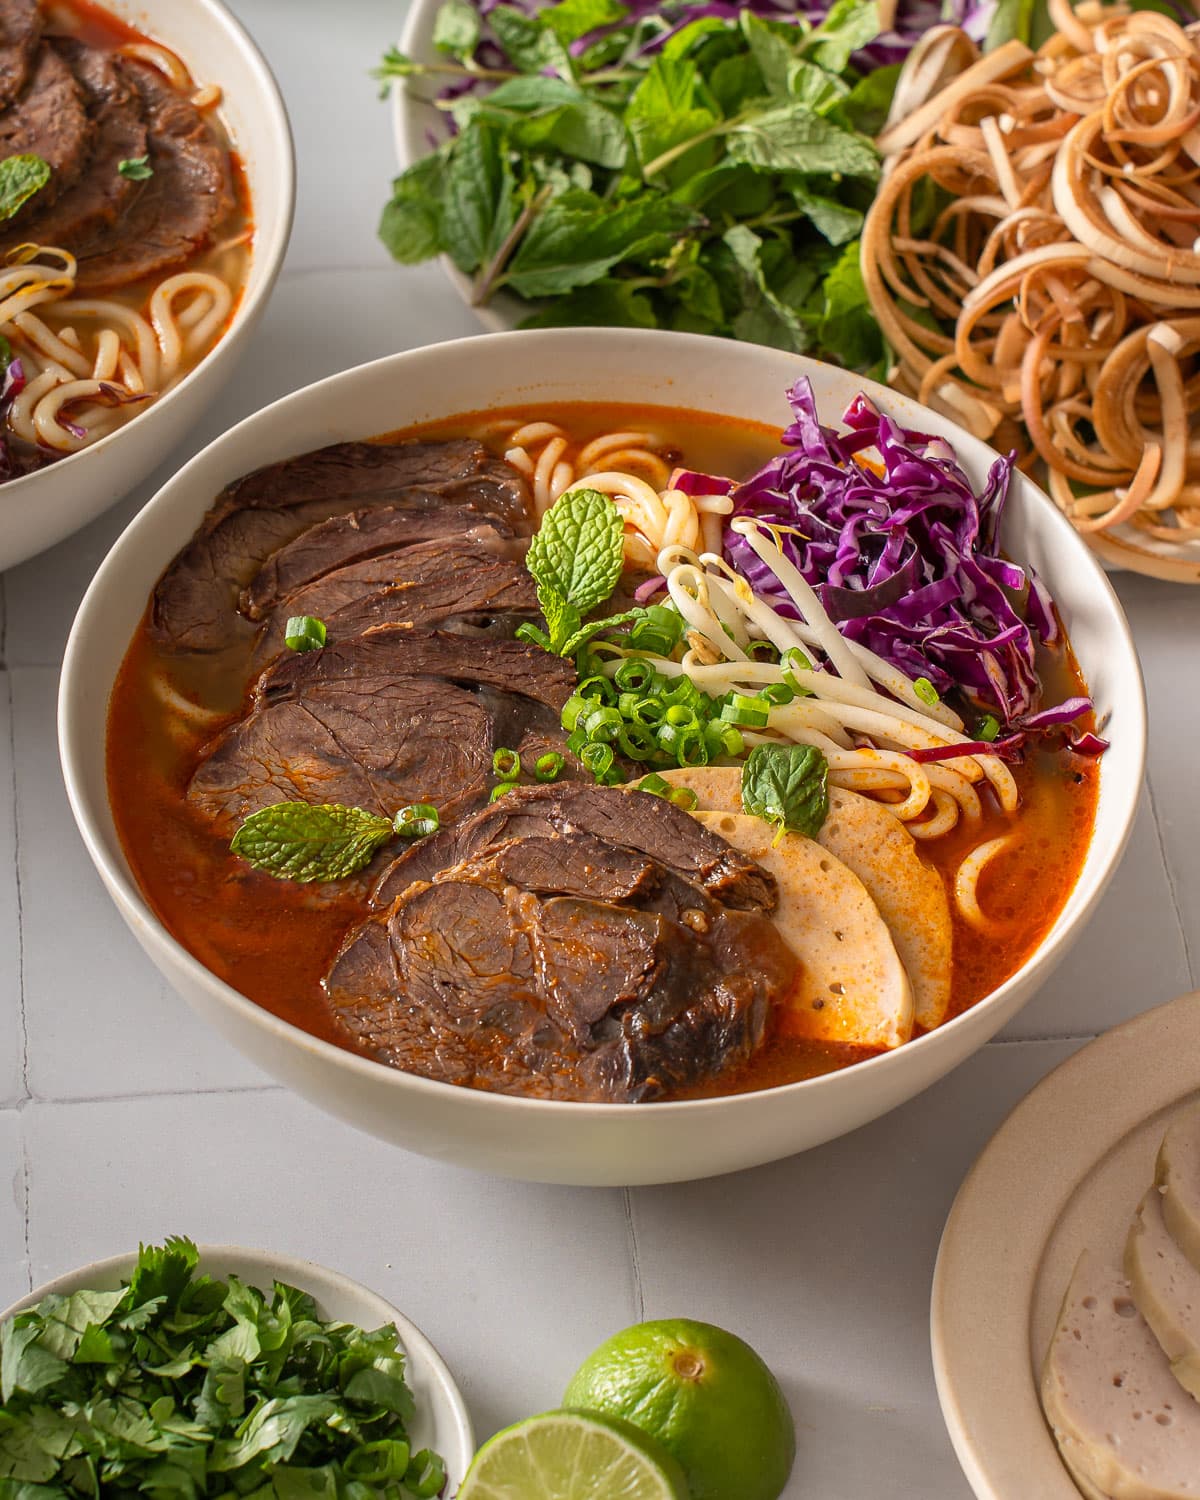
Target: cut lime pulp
(572,1455)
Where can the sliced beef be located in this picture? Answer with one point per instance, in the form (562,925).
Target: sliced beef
(47,120)
(560,964)
(373,743)
(20,29)
(118,133)
(419,585)
(628,819)
(195,600)
(348,724)
(176,211)
(343,540)
(511,667)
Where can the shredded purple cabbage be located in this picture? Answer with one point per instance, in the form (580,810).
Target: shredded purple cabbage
(693,483)
(906,561)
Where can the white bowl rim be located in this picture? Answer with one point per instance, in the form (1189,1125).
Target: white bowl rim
(294,1271)
(268,252)
(1133,729)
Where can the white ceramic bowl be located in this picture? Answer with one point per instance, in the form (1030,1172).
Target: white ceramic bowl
(441,1421)
(42,508)
(546,1140)
(414,120)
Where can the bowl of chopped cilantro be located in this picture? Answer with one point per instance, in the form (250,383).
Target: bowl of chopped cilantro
(185,1372)
(696,166)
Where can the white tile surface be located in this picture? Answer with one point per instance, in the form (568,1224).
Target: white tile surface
(513,1282)
(11,1043)
(99,1019)
(142,1123)
(14,1271)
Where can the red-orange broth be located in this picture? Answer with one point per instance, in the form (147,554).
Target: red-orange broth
(273,941)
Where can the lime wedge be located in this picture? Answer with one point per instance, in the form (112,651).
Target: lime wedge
(572,1455)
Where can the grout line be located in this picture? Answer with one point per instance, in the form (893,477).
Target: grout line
(1174,894)
(133,1098)
(22,1012)
(1035,1041)
(639,1292)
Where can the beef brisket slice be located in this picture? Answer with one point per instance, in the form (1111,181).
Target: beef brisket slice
(175,211)
(419,585)
(195,601)
(342,541)
(372,743)
(47,120)
(476,979)
(20,28)
(629,819)
(118,133)
(350,724)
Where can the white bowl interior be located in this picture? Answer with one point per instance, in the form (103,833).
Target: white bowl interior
(40,509)
(549,1140)
(441,1421)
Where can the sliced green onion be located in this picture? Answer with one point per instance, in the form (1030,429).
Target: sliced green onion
(576,741)
(748,713)
(762,651)
(597,687)
(572,708)
(501,788)
(598,759)
(778,692)
(987,728)
(304,633)
(683,796)
(603,723)
(656,785)
(926,691)
(685,746)
(634,675)
(792,661)
(417,821)
(723,739)
(650,711)
(548,767)
(658,631)
(680,715)
(637,741)
(506,764)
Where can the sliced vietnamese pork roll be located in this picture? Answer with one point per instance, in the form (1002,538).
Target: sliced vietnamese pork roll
(1166,1288)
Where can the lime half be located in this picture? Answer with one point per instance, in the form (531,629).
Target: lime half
(572,1455)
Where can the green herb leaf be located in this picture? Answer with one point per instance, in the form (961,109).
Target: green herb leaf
(796,140)
(848,25)
(546,113)
(136,168)
(764,317)
(605,304)
(847,324)
(456,28)
(478,205)
(302,841)
(787,785)
(530,44)
(411,226)
(21,177)
(575,560)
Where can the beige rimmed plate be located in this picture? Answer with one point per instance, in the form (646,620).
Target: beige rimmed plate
(1063,1173)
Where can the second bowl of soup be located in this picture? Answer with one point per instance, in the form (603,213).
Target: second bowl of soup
(601,757)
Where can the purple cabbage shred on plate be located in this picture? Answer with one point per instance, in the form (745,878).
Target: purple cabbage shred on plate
(905,557)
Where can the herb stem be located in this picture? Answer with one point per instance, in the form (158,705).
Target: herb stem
(722,127)
(485,283)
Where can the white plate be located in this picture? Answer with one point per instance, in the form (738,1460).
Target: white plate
(1063,1173)
(441,1421)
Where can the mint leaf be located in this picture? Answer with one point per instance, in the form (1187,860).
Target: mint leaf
(529,43)
(302,841)
(577,239)
(848,325)
(605,304)
(793,139)
(21,177)
(848,25)
(770,51)
(478,208)
(577,550)
(571,19)
(456,28)
(411,226)
(787,785)
(866,106)
(764,317)
(837,222)
(541,113)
